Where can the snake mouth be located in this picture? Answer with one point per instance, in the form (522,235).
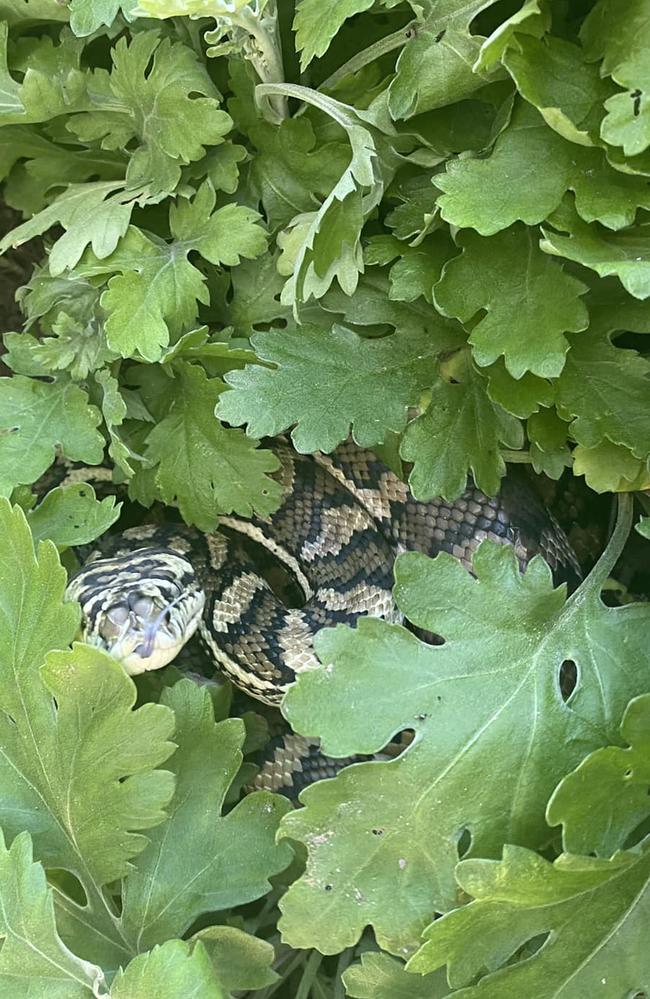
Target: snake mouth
(148,641)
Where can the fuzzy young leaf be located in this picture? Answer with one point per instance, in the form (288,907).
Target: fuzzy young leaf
(383,837)
(218,469)
(529,305)
(200,861)
(590,915)
(606,797)
(35,417)
(175,970)
(150,96)
(372,382)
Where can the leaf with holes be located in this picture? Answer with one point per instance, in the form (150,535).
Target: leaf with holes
(606,797)
(572,928)
(495,730)
(617,31)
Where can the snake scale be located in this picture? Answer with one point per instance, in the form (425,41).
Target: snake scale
(342,520)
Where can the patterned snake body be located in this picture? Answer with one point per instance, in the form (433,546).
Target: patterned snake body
(343,519)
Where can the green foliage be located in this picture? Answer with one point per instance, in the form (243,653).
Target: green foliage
(422,224)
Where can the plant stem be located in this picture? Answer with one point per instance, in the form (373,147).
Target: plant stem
(366,56)
(309,975)
(603,567)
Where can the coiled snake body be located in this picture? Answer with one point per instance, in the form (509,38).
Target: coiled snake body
(343,519)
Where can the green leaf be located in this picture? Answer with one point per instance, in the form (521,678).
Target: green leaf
(52,82)
(609,468)
(151,97)
(618,33)
(529,305)
(94,214)
(549,451)
(77,765)
(532,19)
(605,798)
(221,237)
(328,241)
(460,432)
(71,515)
(589,914)
(87,16)
(552,74)
(363,385)
(436,66)
(35,418)
(519,396)
(385,836)
(256,288)
(34,961)
(316,24)
(175,970)
(604,390)
(240,961)
(200,861)
(526,176)
(217,469)
(625,254)
(382,977)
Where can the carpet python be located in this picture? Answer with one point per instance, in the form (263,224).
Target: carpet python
(343,519)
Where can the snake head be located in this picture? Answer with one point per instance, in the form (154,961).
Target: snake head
(141,607)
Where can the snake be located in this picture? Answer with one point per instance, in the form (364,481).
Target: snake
(331,545)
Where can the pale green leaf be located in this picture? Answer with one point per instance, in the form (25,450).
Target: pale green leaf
(316,24)
(161,96)
(240,961)
(610,468)
(382,977)
(175,970)
(36,417)
(34,962)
